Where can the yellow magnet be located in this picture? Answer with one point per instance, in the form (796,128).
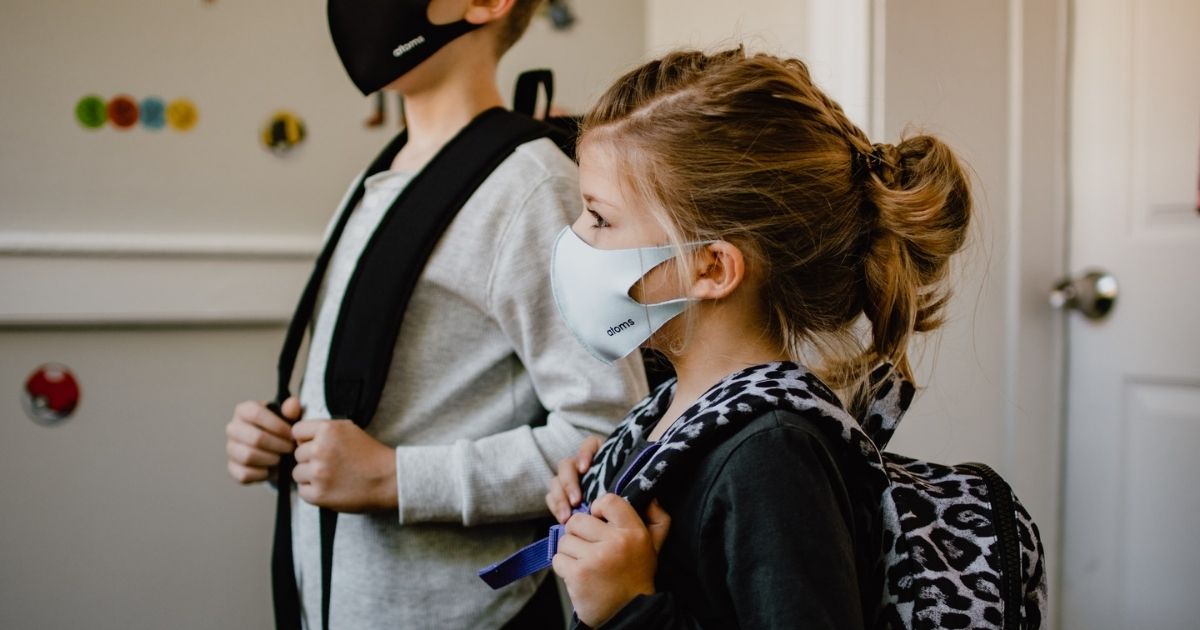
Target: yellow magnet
(181,114)
(283,132)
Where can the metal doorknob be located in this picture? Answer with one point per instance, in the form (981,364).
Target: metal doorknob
(1094,294)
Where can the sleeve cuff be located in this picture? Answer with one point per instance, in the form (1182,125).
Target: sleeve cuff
(427,484)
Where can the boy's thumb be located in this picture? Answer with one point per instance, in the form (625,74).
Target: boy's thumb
(659,523)
(291,408)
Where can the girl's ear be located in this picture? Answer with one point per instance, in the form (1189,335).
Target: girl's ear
(719,268)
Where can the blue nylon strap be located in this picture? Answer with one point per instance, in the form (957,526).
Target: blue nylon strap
(540,555)
(529,560)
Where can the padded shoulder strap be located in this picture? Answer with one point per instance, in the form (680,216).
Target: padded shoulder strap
(378,293)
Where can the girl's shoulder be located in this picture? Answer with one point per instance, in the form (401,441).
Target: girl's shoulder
(776,438)
(780,456)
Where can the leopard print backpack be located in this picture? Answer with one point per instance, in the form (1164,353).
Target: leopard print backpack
(959,550)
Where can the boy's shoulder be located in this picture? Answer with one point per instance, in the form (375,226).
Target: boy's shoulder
(537,181)
(538,160)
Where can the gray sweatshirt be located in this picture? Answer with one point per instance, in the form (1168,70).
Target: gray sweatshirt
(481,350)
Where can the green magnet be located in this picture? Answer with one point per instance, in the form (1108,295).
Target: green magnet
(91,112)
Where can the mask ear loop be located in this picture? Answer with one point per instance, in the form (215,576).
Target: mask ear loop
(686,248)
(642,279)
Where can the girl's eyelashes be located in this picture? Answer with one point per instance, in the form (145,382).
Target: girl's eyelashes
(600,222)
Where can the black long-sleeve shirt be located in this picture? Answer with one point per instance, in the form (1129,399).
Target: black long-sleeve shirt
(776,528)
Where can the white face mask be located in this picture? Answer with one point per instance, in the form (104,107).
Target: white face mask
(591,288)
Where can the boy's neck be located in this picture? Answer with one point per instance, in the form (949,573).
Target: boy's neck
(436,112)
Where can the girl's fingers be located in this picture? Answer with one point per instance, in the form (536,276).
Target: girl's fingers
(556,501)
(564,566)
(573,547)
(616,511)
(587,452)
(659,524)
(569,480)
(586,527)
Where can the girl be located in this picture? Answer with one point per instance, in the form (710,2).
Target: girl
(729,189)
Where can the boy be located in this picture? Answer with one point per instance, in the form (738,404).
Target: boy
(440,480)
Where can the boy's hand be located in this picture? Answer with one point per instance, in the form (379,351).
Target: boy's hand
(340,467)
(609,557)
(256,437)
(565,492)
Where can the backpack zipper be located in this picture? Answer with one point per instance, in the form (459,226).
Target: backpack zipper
(1004,518)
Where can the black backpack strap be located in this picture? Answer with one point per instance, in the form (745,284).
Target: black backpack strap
(383,281)
(373,307)
(285,595)
(526,93)
(564,130)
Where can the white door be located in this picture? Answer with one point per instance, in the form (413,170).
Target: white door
(1132,469)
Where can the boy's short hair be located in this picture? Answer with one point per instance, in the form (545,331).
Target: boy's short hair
(516,23)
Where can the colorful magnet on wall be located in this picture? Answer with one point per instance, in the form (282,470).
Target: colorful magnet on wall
(91,112)
(51,394)
(123,111)
(154,113)
(561,15)
(283,132)
(181,114)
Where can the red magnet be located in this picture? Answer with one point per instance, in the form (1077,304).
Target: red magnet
(123,111)
(51,394)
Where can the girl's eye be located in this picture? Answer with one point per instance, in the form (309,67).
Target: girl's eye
(600,222)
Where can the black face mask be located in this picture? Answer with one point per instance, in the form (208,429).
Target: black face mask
(379,41)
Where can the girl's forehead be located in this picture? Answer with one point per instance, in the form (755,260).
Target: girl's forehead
(600,178)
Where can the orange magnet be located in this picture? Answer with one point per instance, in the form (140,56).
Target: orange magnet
(123,111)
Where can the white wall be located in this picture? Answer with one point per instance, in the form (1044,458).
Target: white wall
(124,516)
(608,39)
(832,36)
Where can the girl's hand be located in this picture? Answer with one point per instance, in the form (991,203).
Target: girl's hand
(565,492)
(610,557)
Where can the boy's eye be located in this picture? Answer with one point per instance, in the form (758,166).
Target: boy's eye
(600,222)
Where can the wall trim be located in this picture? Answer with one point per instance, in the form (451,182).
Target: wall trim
(839,49)
(89,280)
(1013,259)
(160,245)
